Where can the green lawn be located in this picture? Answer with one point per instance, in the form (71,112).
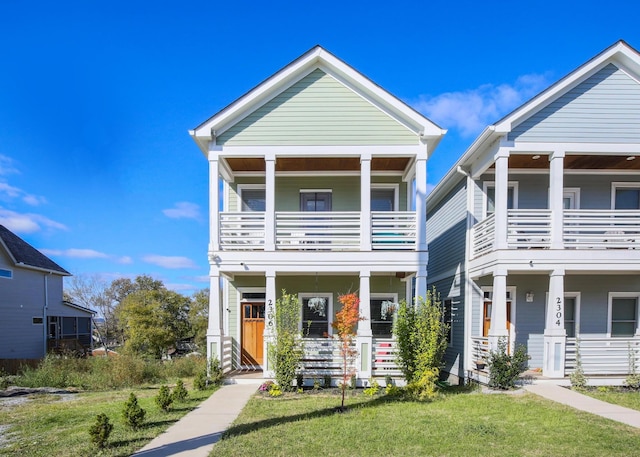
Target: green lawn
(463,424)
(47,426)
(617,396)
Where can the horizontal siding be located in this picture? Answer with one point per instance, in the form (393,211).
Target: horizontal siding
(604,108)
(318,110)
(453,288)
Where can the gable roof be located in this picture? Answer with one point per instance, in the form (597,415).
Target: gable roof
(25,255)
(620,54)
(315,58)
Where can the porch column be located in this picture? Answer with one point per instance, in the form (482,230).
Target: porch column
(365,202)
(498,327)
(364,339)
(270,324)
(421,201)
(556,194)
(501,198)
(421,284)
(214,202)
(555,335)
(214,327)
(270,203)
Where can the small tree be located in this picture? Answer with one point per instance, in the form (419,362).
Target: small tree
(133,413)
(421,336)
(345,326)
(179,392)
(286,352)
(101,430)
(505,368)
(164,398)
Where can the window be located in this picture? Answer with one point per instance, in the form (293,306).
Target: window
(490,195)
(623,311)
(252,199)
(383,199)
(570,313)
(447,317)
(37,321)
(626,196)
(7,274)
(313,201)
(383,310)
(316,310)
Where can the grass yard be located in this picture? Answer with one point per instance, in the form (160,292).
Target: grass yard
(618,396)
(462,424)
(50,426)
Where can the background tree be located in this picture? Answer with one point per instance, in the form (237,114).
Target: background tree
(91,291)
(154,320)
(199,317)
(345,326)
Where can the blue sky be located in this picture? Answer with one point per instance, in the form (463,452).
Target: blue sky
(97,168)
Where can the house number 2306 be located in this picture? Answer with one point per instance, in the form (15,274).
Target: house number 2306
(558,311)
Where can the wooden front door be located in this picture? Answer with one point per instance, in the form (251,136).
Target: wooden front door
(486,320)
(252,334)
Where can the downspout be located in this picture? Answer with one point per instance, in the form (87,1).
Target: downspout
(45,325)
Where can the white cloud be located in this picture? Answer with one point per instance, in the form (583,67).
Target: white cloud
(33,200)
(6,166)
(471,110)
(183,210)
(179,287)
(170,261)
(76,253)
(27,222)
(125,260)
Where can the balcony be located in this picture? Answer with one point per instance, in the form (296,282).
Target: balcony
(582,229)
(319,231)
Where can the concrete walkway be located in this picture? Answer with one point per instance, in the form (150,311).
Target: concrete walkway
(195,434)
(585,403)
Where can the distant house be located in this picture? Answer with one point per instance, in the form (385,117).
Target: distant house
(35,318)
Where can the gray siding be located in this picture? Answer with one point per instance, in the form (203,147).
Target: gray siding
(603,108)
(453,288)
(318,110)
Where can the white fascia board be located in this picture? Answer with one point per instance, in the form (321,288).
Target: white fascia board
(604,149)
(319,151)
(619,54)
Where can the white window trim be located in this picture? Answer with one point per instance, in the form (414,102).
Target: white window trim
(308,191)
(575,191)
(396,192)
(378,296)
(487,184)
(512,319)
(10,273)
(621,185)
(243,187)
(613,295)
(328,295)
(576,296)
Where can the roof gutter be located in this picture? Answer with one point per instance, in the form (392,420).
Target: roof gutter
(44,270)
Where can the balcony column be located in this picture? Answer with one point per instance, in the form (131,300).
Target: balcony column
(214,327)
(270,324)
(214,201)
(364,339)
(555,335)
(501,198)
(498,327)
(556,197)
(365,202)
(270,203)
(421,201)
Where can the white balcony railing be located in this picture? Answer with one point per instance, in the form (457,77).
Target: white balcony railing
(602,355)
(484,233)
(333,230)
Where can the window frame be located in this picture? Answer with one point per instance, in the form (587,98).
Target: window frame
(387,186)
(576,313)
(383,296)
(611,297)
(242,188)
(622,185)
(492,184)
(329,311)
(8,271)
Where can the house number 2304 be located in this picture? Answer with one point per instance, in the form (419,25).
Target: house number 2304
(558,311)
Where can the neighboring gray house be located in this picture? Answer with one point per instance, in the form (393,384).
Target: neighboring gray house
(34,316)
(534,234)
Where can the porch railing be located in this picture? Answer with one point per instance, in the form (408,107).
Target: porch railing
(227,354)
(484,233)
(602,355)
(480,349)
(321,357)
(528,228)
(602,229)
(393,230)
(384,360)
(331,230)
(242,230)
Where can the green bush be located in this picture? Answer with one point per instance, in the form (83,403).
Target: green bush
(200,381)
(164,399)
(133,414)
(426,387)
(216,375)
(286,352)
(505,368)
(179,392)
(101,430)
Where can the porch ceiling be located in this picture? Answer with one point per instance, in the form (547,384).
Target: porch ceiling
(576,162)
(257,164)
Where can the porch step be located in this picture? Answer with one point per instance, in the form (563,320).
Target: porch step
(247,377)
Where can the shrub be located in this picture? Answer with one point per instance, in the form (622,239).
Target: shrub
(373,388)
(285,353)
(164,399)
(275,390)
(179,392)
(299,381)
(101,430)
(504,368)
(215,372)
(133,413)
(577,378)
(425,388)
(422,340)
(633,378)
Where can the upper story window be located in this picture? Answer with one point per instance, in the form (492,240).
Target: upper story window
(383,199)
(7,274)
(312,200)
(253,199)
(490,197)
(626,196)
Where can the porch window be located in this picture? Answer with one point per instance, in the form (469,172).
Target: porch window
(490,192)
(316,310)
(570,316)
(383,199)
(253,199)
(624,316)
(383,310)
